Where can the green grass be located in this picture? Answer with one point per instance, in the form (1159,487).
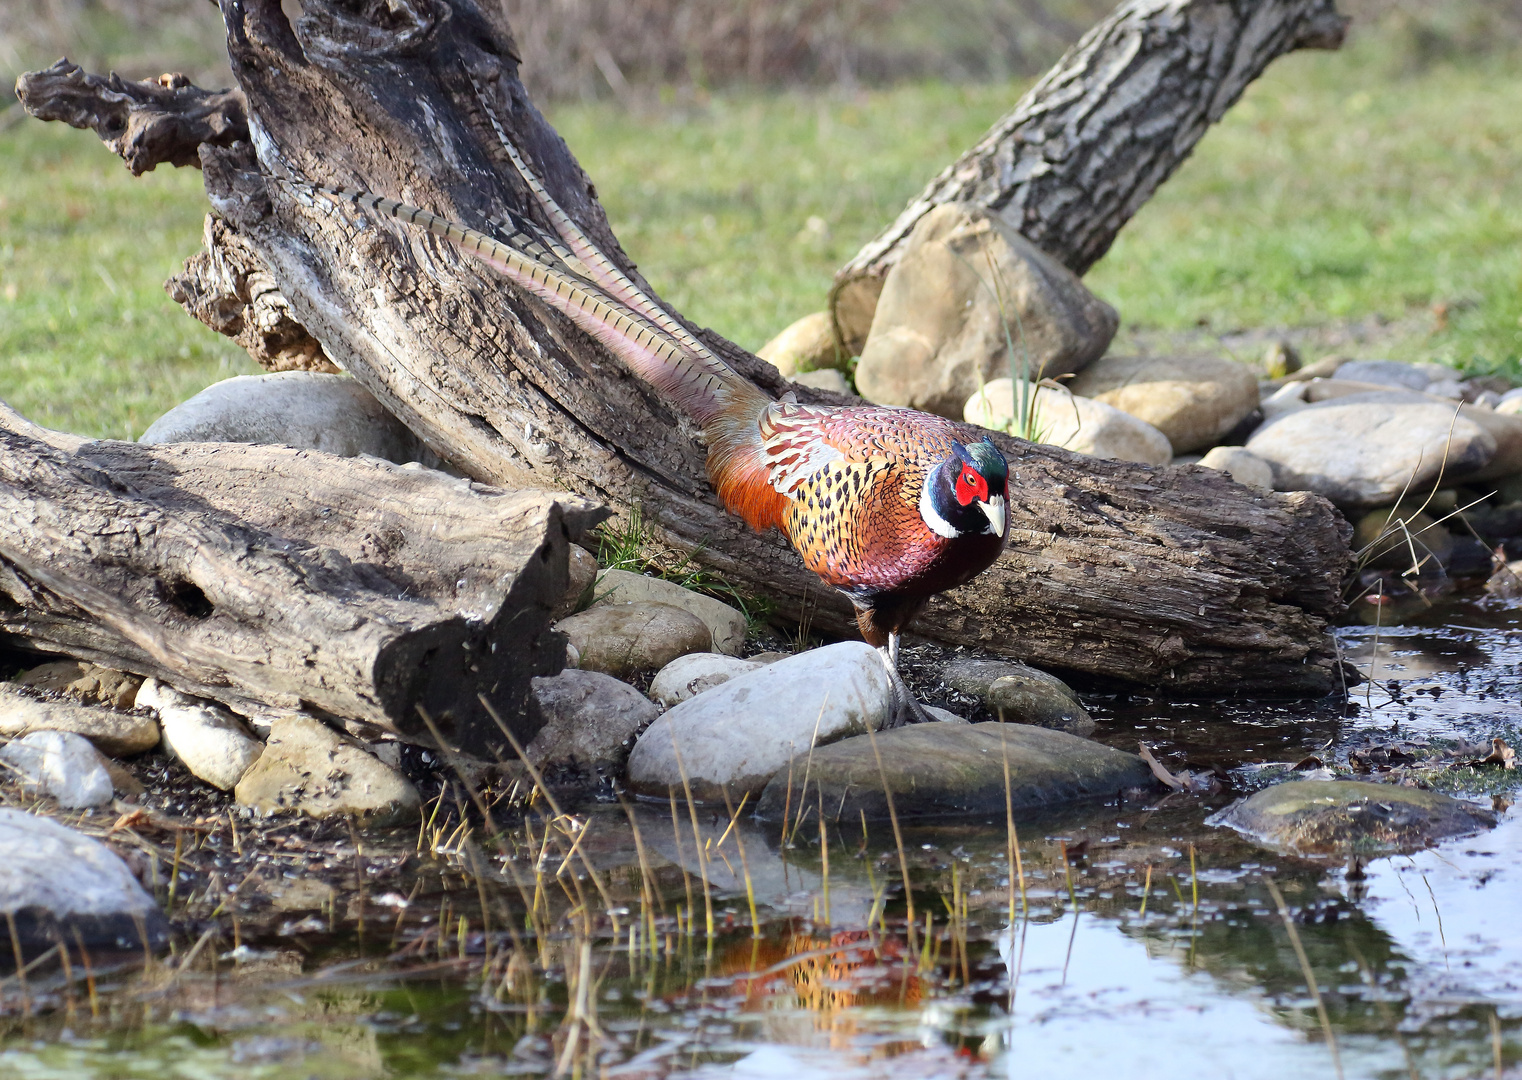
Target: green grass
(1336,190)
(1341,187)
(89,340)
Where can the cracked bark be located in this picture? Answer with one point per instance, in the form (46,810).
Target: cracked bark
(275,579)
(1087,146)
(1173,577)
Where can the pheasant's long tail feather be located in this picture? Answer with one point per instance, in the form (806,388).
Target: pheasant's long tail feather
(702,385)
(579,247)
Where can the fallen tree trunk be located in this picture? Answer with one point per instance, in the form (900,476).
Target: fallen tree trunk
(275,579)
(1087,146)
(1175,577)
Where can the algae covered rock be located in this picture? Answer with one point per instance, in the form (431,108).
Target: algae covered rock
(1018,694)
(937,770)
(1339,816)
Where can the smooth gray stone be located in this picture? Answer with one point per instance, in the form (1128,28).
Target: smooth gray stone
(732,739)
(306,409)
(1018,694)
(590,720)
(938,770)
(58,882)
(1342,816)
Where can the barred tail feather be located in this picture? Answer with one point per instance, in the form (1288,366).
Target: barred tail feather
(700,385)
(727,406)
(581,249)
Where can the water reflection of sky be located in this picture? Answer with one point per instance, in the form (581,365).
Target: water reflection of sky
(1414,960)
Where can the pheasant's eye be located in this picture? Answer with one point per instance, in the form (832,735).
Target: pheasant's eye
(970,486)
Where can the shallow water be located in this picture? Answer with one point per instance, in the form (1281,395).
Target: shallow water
(1144,943)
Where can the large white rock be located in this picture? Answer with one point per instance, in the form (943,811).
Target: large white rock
(1192,400)
(690,675)
(306,409)
(967,286)
(1363,450)
(1082,425)
(207,739)
(58,882)
(60,764)
(1241,464)
(734,737)
(725,623)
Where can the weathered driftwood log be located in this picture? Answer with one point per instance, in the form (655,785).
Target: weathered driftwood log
(271,578)
(1175,577)
(147,122)
(1087,146)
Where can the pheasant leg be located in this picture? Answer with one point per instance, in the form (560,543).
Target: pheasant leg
(906,710)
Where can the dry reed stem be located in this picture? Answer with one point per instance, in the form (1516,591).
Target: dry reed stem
(1310,975)
(898,836)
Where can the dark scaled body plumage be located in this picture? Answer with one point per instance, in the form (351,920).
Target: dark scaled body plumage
(888,505)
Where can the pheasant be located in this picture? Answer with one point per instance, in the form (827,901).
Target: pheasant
(887,505)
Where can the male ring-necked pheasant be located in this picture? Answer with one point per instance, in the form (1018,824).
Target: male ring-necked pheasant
(888,505)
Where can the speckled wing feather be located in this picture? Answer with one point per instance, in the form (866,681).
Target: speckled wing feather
(853,476)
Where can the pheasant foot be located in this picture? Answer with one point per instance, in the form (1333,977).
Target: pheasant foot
(906,710)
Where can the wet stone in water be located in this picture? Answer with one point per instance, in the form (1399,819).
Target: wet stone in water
(1018,694)
(938,770)
(59,882)
(1351,816)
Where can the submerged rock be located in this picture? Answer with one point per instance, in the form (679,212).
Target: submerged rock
(89,684)
(1340,816)
(734,737)
(1018,694)
(725,624)
(59,883)
(206,738)
(936,770)
(590,721)
(309,768)
(60,764)
(690,675)
(116,733)
(622,639)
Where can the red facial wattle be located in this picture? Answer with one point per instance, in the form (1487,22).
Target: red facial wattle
(971,486)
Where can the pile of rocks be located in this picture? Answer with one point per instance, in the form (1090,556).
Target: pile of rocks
(976,324)
(719,727)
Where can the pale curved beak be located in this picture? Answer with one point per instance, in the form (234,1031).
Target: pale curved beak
(995,510)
